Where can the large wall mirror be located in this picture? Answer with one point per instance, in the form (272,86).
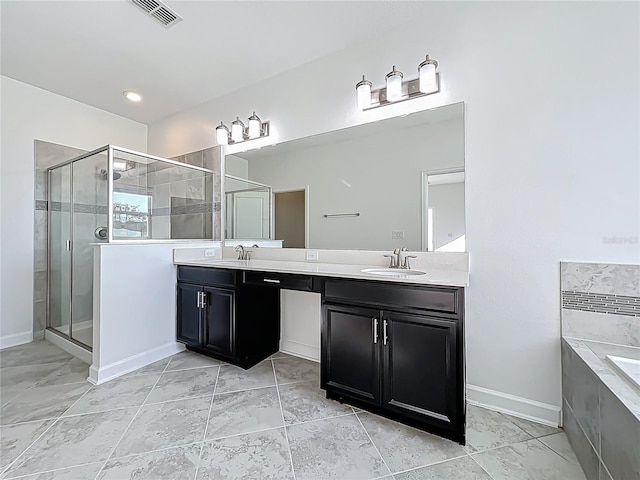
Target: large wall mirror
(394,183)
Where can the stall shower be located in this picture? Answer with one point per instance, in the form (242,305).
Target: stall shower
(114,195)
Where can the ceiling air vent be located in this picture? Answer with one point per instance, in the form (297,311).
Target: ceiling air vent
(158,11)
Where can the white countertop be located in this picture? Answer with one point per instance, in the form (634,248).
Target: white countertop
(432,276)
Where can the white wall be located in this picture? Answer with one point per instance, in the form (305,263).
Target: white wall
(551,151)
(377,176)
(28,113)
(134,309)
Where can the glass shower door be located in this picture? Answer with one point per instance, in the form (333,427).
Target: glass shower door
(89,221)
(60,249)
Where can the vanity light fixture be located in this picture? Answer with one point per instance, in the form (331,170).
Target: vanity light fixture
(239,132)
(398,90)
(363,89)
(394,85)
(254,126)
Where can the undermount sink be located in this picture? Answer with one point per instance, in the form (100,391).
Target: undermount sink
(392,272)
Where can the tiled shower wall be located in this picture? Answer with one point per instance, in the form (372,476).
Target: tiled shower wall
(180,208)
(601,302)
(179,211)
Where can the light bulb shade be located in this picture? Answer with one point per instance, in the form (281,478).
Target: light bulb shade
(363,92)
(254,126)
(120,165)
(394,85)
(222,134)
(237,130)
(428,81)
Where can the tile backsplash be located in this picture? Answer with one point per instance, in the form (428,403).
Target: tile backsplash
(601,302)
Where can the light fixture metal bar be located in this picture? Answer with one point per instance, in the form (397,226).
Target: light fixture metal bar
(410,90)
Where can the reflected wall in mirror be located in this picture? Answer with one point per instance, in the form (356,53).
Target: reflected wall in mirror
(378,186)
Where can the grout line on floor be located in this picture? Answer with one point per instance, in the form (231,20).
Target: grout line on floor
(177,399)
(72,415)
(340,415)
(544,445)
(184,445)
(247,389)
(554,450)
(206,425)
(438,462)
(50,471)
(193,368)
(224,437)
(286,434)
(372,443)
(130,423)
(29,421)
(45,431)
(483,469)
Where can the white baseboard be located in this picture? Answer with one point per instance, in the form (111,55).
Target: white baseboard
(298,349)
(76,350)
(16,339)
(113,370)
(512,405)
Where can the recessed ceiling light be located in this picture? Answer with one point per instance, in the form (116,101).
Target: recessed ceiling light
(133,96)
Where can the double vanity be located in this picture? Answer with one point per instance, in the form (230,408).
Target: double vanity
(392,341)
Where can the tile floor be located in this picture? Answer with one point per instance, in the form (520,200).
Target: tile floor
(191,417)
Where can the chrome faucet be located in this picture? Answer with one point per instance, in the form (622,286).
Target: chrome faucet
(397,260)
(242,253)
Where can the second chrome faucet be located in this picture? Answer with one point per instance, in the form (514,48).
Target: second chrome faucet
(398,260)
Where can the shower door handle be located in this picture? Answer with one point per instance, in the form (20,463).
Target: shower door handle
(68,245)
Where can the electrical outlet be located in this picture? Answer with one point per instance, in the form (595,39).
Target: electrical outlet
(312,255)
(210,252)
(397,234)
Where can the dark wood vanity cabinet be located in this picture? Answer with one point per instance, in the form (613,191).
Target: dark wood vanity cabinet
(392,348)
(220,316)
(189,314)
(396,350)
(351,352)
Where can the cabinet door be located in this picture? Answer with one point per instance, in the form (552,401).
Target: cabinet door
(351,352)
(219,320)
(421,373)
(188,315)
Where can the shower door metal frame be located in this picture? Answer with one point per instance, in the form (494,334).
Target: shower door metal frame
(113,148)
(110,154)
(69,248)
(69,244)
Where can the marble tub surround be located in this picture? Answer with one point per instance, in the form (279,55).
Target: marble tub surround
(442,268)
(601,410)
(601,302)
(274,424)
